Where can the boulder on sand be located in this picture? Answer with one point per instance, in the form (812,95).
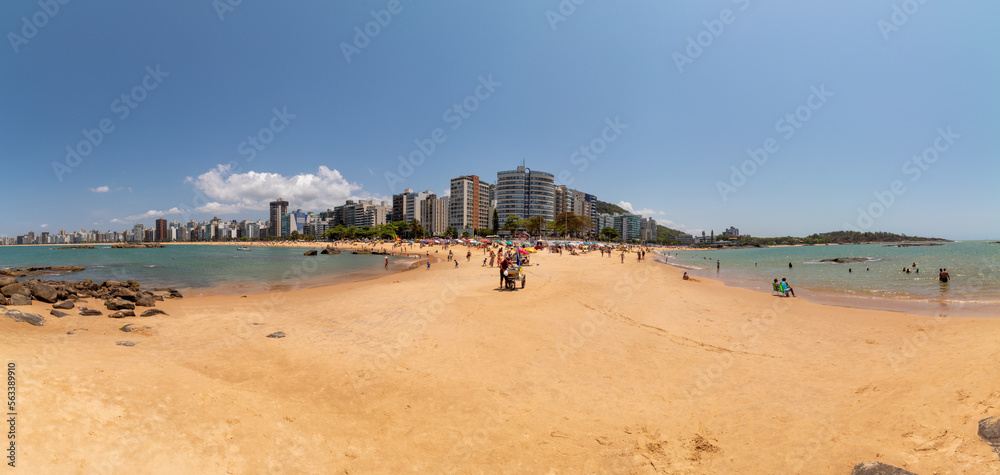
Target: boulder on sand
(44,293)
(878,468)
(122,314)
(145,301)
(19,316)
(151,312)
(66,305)
(6,280)
(20,299)
(16,288)
(119,304)
(86,312)
(58,314)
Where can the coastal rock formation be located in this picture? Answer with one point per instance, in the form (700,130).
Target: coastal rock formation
(989,430)
(86,312)
(151,312)
(878,468)
(20,299)
(844,260)
(146,245)
(311,252)
(330,250)
(64,305)
(3,300)
(58,314)
(19,316)
(125,293)
(43,292)
(145,301)
(277,335)
(15,288)
(119,304)
(6,280)
(174,294)
(122,314)
(34,271)
(85,246)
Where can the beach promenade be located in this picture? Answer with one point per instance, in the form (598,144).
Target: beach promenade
(597,366)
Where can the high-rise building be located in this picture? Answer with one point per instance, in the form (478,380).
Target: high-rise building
(469,204)
(279,208)
(161,230)
(647,229)
(434,215)
(361,213)
(525,193)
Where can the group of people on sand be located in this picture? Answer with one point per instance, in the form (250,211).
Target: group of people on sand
(783,287)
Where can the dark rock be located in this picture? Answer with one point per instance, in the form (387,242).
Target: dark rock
(73,331)
(119,304)
(111,283)
(277,335)
(151,312)
(878,468)
(175,294)
(20,299)
(122,314)
(844,260)
(66,305)
(158,298)
(32,271)
(58,314)
(44,293)
(132,284)
(125,293)
(6,280)
(19,316)
(3,300)
(62,293)
(989,430)
(86,246)
(126,343)
(15,288)
(130,328)
(310,253)
(86,312)
(145,301)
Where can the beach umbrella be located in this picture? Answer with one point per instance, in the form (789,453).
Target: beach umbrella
(522,251)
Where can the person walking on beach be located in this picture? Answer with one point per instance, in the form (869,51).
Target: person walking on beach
(386,262)
(716,264)
(468,256)
(623,256)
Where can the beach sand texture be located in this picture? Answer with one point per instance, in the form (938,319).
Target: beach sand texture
(595,367)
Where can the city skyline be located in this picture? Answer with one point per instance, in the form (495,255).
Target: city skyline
(778,118)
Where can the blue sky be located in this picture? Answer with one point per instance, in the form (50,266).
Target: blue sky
(876,82)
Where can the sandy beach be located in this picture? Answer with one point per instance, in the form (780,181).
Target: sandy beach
(597,366)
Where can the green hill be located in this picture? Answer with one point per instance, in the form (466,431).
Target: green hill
(605,207)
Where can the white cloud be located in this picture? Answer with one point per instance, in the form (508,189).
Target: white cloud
(44,226)
(236,192)
(153,214)
(644,211)
(116,220)
(100,189)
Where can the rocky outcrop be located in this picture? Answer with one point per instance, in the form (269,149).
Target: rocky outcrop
(86,312)
(15,288)
(64,305)
(845,260)
(311,252)
(277,335)
(151,312)
(43,293)
(145,245)
(119,304)
(86,246)
(35,271)
(19,316)
(878,468)
(122,314)
(145,301)
(330,250)
(58,314)
(131,328)
(20,299)
(6,280)
(3,300)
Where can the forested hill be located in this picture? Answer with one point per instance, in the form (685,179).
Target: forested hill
(856,237)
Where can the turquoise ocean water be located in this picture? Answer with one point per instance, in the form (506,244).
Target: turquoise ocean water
(203,269)
(879,282)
